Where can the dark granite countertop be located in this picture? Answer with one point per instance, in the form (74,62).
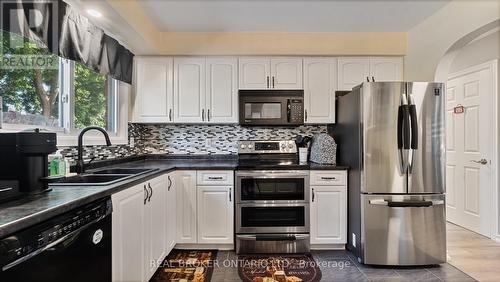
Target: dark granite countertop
(22,213)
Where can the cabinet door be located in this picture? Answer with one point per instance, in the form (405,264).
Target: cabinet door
(254,73)
(189,89)
(222,90)
(128,233)
(328,215)
(186,206)
(320,84)
(171,211)
(156,224)
(386,69)
(215,214)
(154,90)
(286,73)
(352,72)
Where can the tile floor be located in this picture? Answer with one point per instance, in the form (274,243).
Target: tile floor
(348,269)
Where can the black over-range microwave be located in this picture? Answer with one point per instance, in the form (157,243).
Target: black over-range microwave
(271,107)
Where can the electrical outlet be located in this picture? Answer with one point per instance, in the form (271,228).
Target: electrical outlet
(354,240)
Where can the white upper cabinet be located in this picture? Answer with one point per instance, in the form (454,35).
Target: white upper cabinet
(154,90)
(254,73)
(320,84)
(386,69)
(286,73)
(222,90)
(353,71)
(270,73)
(189,89)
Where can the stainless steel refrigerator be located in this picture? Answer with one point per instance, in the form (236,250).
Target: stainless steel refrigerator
(391,134)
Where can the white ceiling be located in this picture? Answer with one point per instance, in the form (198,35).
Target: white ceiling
(289,15)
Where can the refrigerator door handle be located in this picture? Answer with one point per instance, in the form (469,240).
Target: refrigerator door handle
(406,204)
(403,132)
(414,130)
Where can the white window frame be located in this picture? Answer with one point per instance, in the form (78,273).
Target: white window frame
(67,135)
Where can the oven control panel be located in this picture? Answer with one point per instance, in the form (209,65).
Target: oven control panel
(266,147)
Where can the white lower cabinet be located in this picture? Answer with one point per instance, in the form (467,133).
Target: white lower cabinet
(171,209)
(139,230)
(186,206)
(215,214)
(328,206)
(205,212)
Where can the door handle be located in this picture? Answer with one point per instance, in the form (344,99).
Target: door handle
(328,178)
(208,115)
(202,114)
(406,204)
(151,193)
(215,178)
(273,81)
(230,192)
(312,194)
(169,183)
(373,79)
(481,161)
(267,81)
(367,79)
(305,115)
(170,114)
(147,194)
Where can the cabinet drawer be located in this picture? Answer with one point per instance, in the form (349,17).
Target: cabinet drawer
(328,177)
(215,177)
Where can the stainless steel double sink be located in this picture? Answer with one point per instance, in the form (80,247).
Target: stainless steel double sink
(102,177)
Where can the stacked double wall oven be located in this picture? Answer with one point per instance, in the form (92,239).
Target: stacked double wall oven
(272,199)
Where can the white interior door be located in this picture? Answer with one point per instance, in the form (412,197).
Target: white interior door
(470,148)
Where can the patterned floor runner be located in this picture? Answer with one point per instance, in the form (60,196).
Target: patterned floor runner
(186,266)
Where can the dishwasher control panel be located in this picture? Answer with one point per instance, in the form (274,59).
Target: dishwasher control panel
(30,241)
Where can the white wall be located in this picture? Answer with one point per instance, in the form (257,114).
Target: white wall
(429,41)
(477,52)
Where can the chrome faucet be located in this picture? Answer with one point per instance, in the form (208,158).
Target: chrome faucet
(80,165)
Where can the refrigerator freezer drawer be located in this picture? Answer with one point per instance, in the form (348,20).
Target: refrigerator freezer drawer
(403,229)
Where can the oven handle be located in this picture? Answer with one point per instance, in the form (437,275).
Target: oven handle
(39,251)
(273,174)
(273,237)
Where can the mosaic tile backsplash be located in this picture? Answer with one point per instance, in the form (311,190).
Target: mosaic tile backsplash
(190,139)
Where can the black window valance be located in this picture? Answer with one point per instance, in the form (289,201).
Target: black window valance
(68,34)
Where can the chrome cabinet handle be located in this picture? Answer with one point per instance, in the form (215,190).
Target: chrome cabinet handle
(230,192)
(373,79)
(208,114)
(170,114)
(267,81)
(328,178)
(146,192)
(202,114)
(169,183)
(305,115)
(151,194)
(273,81)
(367,79)
(481,161)
(313,194)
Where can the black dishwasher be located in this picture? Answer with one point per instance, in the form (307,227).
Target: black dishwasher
(74,246)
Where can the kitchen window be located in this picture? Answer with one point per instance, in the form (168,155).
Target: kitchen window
(64,98)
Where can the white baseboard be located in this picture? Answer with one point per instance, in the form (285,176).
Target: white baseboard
(222,247)
(328,247)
